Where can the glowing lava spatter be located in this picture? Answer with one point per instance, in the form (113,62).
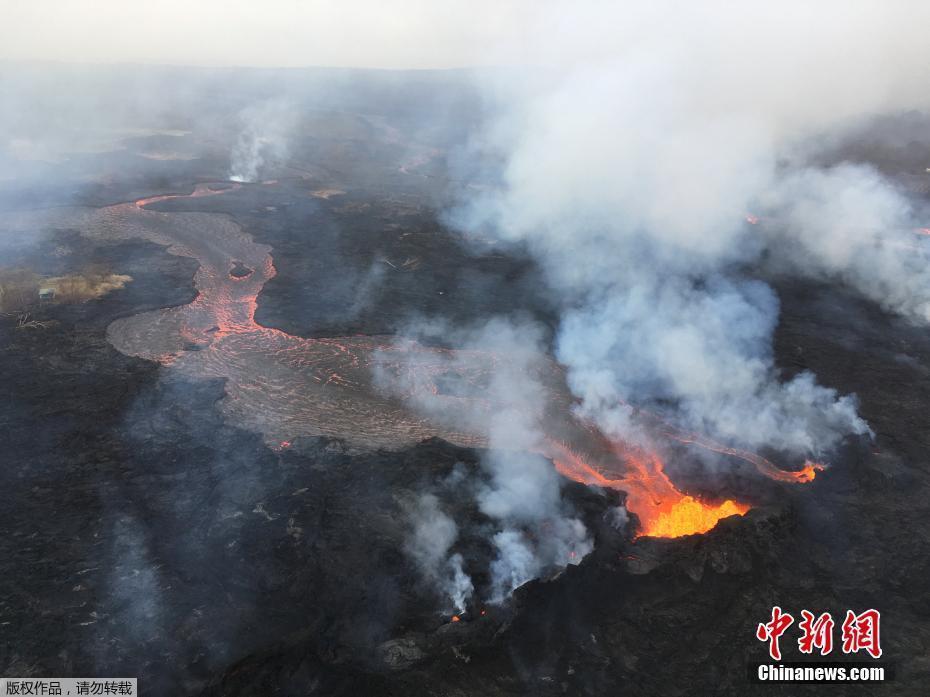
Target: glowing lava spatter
(662,509)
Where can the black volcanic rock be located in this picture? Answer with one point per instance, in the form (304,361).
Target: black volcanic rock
(161,543)
(368,262)
(677,617)
(142,535)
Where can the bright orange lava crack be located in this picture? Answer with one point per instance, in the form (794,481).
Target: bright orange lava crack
(688,516)
(662,509)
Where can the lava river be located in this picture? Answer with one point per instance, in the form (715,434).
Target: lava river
(284,386)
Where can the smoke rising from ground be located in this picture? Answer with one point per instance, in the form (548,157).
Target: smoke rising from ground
(434,533)
(262,139)
(851,223)
(629,175)
(629,166)
(533,530)
(538,531)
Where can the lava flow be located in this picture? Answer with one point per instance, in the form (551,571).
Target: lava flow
(285,386)
(806,474)
(662,509)
(199,191)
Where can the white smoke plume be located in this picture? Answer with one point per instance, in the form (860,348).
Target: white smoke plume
(628,172)
(535,530)
(850,223)
(618,518)
(538,532)
(495,365)
(515,564)
(434,533)
(262,140)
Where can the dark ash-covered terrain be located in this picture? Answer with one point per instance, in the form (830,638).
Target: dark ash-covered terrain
(143,534)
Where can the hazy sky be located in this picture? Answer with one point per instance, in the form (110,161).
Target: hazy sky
(889,34)
(358,33)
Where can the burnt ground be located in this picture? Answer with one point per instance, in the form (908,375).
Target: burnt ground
(144,536)
(141,535)
(660,617)
(371,262)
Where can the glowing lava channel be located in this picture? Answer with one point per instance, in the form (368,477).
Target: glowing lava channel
(285,386)
(662,509)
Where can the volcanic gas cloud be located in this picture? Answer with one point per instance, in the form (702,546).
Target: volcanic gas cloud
(627,175)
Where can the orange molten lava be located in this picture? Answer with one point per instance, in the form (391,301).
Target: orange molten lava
(802,476)
(224,311)
(199,191)
(663,510)
(456,618)
(805,474)
(688,516)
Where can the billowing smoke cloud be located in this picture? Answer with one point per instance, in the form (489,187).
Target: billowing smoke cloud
(704,347)
(497,367)
(539,532)
(850,223)
(434,533)
(534,528)
(262,140)
(629,172)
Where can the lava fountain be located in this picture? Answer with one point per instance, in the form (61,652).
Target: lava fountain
(662,509)
(284,386)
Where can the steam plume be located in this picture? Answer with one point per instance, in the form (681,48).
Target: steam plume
(262,139)
(628,173)
(534,529)
(434,533)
